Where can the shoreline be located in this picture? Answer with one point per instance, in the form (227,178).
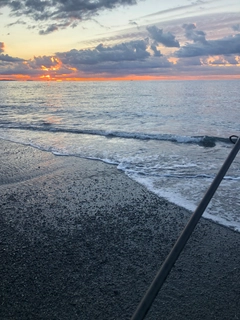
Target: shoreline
(81,240)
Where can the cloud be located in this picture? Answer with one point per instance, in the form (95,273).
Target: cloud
(50,29)
(216,25)
(1,47)
(134,23)
(46,61)
(236,27)
(194,55)
(232,59)
(221,60)
(56,26)
(149,66)
(157,53)
(3,3)
(129,51)
(99,24)
(176,9)
(201,47)
(195,35)
(16,22)
(189,62)
(65,12)
(55,67)
(133,57)
(167,39)
(7,58)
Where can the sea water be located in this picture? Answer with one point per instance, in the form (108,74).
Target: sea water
(170,136)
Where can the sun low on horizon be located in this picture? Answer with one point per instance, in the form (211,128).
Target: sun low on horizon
(124,40)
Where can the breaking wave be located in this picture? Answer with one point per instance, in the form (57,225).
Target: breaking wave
(205,141)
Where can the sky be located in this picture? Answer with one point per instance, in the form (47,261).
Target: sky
(61,40)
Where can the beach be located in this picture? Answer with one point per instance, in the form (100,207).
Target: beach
(80,240)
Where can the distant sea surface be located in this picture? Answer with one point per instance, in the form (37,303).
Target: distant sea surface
(170,136)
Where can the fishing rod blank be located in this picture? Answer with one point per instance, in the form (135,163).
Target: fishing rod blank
(169,262)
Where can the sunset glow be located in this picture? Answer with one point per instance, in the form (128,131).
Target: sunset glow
(144,41)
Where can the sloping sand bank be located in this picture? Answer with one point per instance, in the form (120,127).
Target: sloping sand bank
(80,240)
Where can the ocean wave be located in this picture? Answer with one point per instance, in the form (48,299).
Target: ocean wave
(173,176)
(205,141)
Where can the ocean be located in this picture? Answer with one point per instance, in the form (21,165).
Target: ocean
(170,136)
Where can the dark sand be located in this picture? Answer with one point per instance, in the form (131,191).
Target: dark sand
(80,240)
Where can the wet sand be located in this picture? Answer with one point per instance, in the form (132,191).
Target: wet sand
(80,240)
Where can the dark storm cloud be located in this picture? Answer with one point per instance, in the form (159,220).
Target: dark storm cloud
(63,11)
(1,47)
(202,47)
(167,39)
(130,51)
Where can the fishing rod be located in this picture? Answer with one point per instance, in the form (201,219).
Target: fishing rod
(169,262)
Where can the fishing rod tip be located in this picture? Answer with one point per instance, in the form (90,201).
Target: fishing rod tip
(233,138)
